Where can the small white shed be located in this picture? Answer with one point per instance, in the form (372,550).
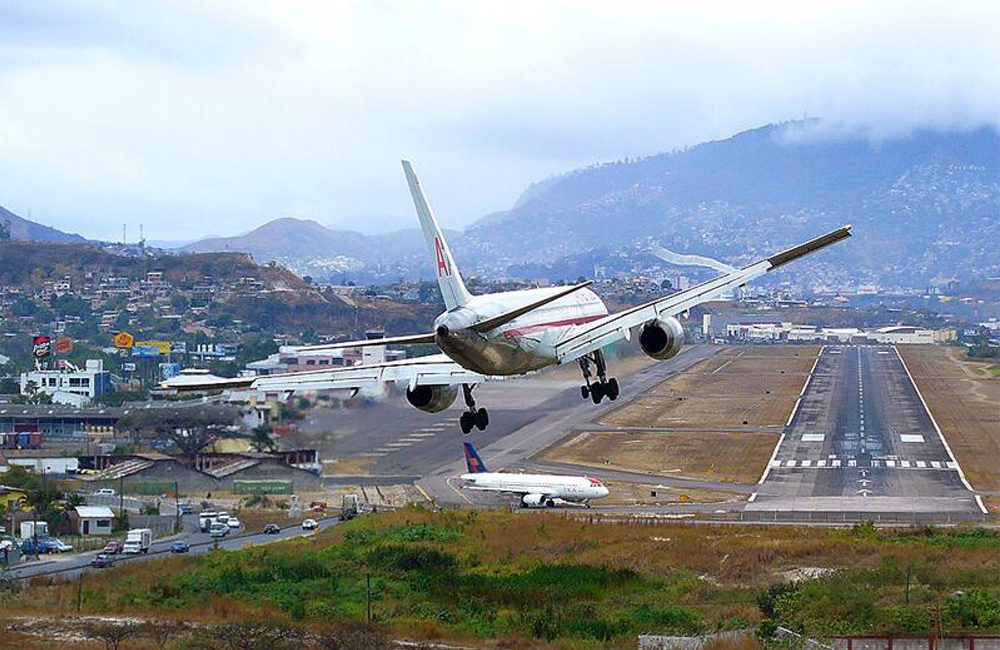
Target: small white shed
(94,520)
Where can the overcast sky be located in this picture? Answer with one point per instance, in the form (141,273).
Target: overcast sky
(200,118)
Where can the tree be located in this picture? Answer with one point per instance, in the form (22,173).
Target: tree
(190,428)
(250,635)
(5,230)
(261,439)
(355,636)
(112,633)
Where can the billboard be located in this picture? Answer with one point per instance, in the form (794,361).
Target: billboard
(124,340)
(262,487)
(128,367)
(168,370)
(64,345)
(41,347)
(178,347)
(146,351)
(162,346)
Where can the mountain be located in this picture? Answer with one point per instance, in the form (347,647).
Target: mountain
(924,206)
(21,228)
(309,248)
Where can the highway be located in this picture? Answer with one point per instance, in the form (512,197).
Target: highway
(861,444)
(70,565)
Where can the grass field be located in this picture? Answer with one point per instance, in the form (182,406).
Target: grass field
(562,580)
(964,397)
(732,456)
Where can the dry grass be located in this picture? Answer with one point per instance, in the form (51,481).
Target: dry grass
(349,466)
(751,387)
(634,494)
(964,398)
(732,456)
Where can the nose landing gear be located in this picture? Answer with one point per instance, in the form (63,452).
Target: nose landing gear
(603,387)
(473,418)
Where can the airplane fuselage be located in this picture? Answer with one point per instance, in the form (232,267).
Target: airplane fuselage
(522,345)
(568,488)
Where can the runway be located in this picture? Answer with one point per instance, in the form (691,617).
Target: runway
(861,445)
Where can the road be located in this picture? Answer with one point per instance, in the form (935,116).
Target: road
(862,445)
(70,566)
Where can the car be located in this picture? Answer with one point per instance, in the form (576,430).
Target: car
(54,545)
(218,530)
(113,548)
(102,561)
(310,524)
(233,522)
(272,529)
(180,546)
(105,492)
(185,508)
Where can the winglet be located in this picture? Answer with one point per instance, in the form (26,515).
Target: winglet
(472,459)
(810,246)
(449,279)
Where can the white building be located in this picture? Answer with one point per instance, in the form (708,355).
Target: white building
(70,386)
(93,520)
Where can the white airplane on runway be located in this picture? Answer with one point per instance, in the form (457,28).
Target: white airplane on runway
(535,490)
(498,335)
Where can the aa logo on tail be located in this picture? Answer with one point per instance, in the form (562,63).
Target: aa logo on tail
(442,262)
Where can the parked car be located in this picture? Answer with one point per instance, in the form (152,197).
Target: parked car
(218,530)
(102,561)
(310,524)
(113,548)
(186,508)
(233,522)
(180,546)
(105,492)
(56,545)
(272,529)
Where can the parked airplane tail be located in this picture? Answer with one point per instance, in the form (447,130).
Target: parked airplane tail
(473,461)
(449,279)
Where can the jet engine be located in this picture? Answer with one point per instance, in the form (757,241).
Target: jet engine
(432,398)
(661,338)
(536,501)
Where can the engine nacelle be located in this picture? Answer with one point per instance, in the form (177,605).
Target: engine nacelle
(533,500)
(432,398)
(661,338)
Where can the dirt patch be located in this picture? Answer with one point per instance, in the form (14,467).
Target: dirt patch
(728,456)
(964,399)
(703,412)
(623,493)
(804,351)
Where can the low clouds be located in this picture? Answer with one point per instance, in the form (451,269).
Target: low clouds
(177,115)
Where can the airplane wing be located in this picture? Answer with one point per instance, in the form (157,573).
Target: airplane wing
(436,369)
(595,335)
(408,339)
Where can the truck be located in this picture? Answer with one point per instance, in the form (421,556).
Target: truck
(350,507)
(32,529)
(137,541)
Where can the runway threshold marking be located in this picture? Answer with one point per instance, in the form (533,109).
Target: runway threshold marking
(795,409)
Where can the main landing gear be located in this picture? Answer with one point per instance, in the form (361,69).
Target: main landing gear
(478,418)
(603,387)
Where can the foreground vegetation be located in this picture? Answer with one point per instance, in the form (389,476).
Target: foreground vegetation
(566,580)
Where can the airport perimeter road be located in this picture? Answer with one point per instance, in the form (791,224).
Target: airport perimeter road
(71,565)
(861,445)
(549,421)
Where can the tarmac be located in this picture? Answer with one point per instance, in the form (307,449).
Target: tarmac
(860,444)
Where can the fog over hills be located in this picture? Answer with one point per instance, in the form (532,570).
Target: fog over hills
(924,207)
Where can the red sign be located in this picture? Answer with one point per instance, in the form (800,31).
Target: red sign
(442,261)
(41,347)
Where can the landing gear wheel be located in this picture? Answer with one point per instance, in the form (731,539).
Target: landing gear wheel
(585,391)
(482,419)
(597,393)
(466,422)
(612,387)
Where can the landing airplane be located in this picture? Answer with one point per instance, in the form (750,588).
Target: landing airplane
(535,490)
(490,337)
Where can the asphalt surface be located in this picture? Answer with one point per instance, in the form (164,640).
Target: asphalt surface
(861,442)
(70,565)
(551,420)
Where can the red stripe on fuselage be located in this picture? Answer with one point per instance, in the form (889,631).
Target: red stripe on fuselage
(527,329)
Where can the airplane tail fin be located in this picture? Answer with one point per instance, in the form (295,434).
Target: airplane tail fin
(449,280)
(472,460)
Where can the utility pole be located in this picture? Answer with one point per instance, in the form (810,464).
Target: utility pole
(368,595)
(177,509)
(79,593)
(907,584)
(121,499)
